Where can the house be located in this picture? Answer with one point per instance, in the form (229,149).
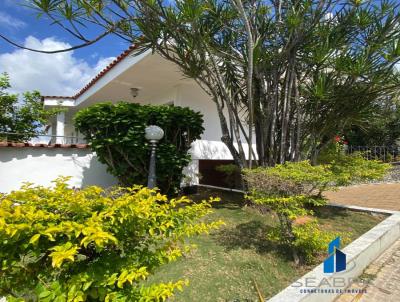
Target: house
(148,78)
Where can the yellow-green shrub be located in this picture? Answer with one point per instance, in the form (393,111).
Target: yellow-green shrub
(60,244)
(348,169)
(310,239)
(291,188)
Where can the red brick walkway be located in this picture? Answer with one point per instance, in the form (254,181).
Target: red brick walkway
(381,196)
(381,280)
(384,272)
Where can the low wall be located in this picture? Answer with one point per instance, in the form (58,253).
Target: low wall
(360,253)
(42,165)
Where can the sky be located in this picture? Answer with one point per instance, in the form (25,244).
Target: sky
(52,74)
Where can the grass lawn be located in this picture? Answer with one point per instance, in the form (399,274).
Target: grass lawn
(226,263)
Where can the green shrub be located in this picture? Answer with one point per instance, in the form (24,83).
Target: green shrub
(231,172)
(291,188)
(116,133)
(301,177)
(60,244)
(349,169)
(310,239)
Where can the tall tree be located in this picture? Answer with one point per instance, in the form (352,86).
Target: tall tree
(382,128)
(297,72)
(21,119)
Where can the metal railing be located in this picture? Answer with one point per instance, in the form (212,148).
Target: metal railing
(384,153)
(34,138)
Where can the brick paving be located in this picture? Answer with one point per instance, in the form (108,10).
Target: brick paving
(381,196)
(381,279)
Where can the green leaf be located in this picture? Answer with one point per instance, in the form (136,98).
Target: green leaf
(34,239)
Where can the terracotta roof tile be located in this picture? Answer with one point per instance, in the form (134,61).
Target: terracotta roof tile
(59,97)
(29,145)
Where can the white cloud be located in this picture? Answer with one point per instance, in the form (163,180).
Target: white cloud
(51,74)
(10,22)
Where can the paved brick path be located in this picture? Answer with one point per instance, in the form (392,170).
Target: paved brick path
(381,279)
(381,196)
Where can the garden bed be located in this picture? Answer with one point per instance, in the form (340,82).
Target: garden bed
(227,264)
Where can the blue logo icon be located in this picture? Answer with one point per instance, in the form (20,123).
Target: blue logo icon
(336,261)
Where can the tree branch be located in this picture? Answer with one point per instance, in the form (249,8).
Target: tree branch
(98,38)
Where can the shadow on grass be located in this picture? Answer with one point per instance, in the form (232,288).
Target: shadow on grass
(227,198)
(250,235)
(329,212)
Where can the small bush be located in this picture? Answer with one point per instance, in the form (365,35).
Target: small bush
(116,133)
(311,240)
(291,178)
(291,188)
(60,244)
(232,173)
(349,169)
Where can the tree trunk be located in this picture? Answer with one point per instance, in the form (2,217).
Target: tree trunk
(227,139)
(250,67)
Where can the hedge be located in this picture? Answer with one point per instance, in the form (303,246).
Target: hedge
(116,133)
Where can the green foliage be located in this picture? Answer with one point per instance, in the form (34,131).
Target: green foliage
(348,169)
(288,190)
(381,129)
(239,250)
(60,244)
(228,169)
(314,73)
(310,239)
(354,168)
(291,178)
(291,188)
(116,133)
(232,172)
(307,238)
(26,118)
(332,150)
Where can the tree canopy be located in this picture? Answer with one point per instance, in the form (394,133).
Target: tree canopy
(382,129)
(22,119)
(293,73)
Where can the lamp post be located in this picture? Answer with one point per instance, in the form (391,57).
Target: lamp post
(153,134)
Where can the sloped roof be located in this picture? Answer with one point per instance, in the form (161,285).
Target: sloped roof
(30,145)
(97,77)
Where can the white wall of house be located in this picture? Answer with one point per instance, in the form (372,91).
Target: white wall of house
(210,146)
(158,82)
(191,95)
(191,174)
(42,165)
(185,94)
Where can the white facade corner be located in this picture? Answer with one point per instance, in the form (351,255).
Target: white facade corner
(54,102)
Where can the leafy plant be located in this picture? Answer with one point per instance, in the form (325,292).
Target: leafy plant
(116,133)
(310,239)
(231,172)
(60,244)
(294,72)
(382,129)
(25,117)
(355,168)
(291,190)
(348,169)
